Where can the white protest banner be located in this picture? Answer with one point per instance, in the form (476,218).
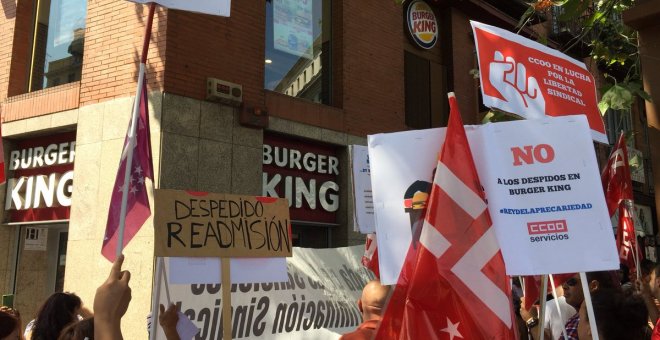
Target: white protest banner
(213,7)
(399,177)
(521,76)
(545,196)
(184,270)
(363,204)
(317,301)
(396,175)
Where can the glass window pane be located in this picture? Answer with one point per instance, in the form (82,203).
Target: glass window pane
(58,43)
(297,48)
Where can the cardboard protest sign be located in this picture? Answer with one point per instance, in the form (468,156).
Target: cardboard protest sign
(545,196)
(521,76)
(193,224)
(400,178)
(318,300)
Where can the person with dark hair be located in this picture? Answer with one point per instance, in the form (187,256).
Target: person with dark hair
(10,325)
(618,316)
(646,266)
(59,310)
(78,330)
(597,281)
(650,290)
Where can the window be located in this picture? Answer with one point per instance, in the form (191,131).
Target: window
(298,48)
(58,43)
(615,122)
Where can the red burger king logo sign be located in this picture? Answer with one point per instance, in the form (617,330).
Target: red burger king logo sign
(422,24)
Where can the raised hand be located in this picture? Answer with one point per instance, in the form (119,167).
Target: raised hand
(521,92)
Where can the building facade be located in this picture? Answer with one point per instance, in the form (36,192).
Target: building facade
(266,101)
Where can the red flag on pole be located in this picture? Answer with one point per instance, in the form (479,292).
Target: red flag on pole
(458,288)
(533,284)
(619,196)
(137,206)
(370,257)
(616,177)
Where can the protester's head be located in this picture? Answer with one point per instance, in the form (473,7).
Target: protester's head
(372,302)
(59,310)
(573,291)
(10,327)
(603,280)
(618,316)
(78,330)
(646,266)
(654,281)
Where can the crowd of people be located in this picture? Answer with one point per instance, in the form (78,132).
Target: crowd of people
(624,309)
(64,317)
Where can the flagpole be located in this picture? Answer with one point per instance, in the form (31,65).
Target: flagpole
(635,254)
(133,128)
(590,305)
(155,299)
(544,298)
(556,298)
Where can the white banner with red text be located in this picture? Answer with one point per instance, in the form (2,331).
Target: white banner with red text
(542,184)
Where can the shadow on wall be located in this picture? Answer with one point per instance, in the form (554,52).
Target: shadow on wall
(9,8)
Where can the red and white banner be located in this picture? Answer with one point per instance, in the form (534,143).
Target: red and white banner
(213,7)
(458,288)
(542,183)
(521,76)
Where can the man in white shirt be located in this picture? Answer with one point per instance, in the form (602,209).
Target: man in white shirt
(555,319)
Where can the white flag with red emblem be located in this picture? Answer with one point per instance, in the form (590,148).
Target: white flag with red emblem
(454,286)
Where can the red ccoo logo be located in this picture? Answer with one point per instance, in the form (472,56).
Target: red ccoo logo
(547,227)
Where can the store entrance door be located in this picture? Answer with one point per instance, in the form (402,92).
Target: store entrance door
(41,259)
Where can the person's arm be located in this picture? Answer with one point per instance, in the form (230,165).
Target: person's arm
(168,320)
(531,318)
(111,302)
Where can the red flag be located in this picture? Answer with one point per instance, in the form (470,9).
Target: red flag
(137,208)
(533,286)
(616,177)
(457,286)
(370,257)
(618,195)
(626,240)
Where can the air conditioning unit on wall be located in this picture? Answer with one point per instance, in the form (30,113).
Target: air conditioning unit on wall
(223,91)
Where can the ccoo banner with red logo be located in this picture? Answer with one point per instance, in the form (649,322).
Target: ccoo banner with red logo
(521,76)
(543,186)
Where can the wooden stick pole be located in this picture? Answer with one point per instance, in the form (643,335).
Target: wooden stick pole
(226,300)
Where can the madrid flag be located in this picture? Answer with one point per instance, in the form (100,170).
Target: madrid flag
(457,287)
(618,195)
(137,206)
(213,7)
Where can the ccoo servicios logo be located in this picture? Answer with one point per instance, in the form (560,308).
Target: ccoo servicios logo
(422,24)
(545,231)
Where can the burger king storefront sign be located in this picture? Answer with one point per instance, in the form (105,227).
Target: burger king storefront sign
(42,181)
(422,24)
